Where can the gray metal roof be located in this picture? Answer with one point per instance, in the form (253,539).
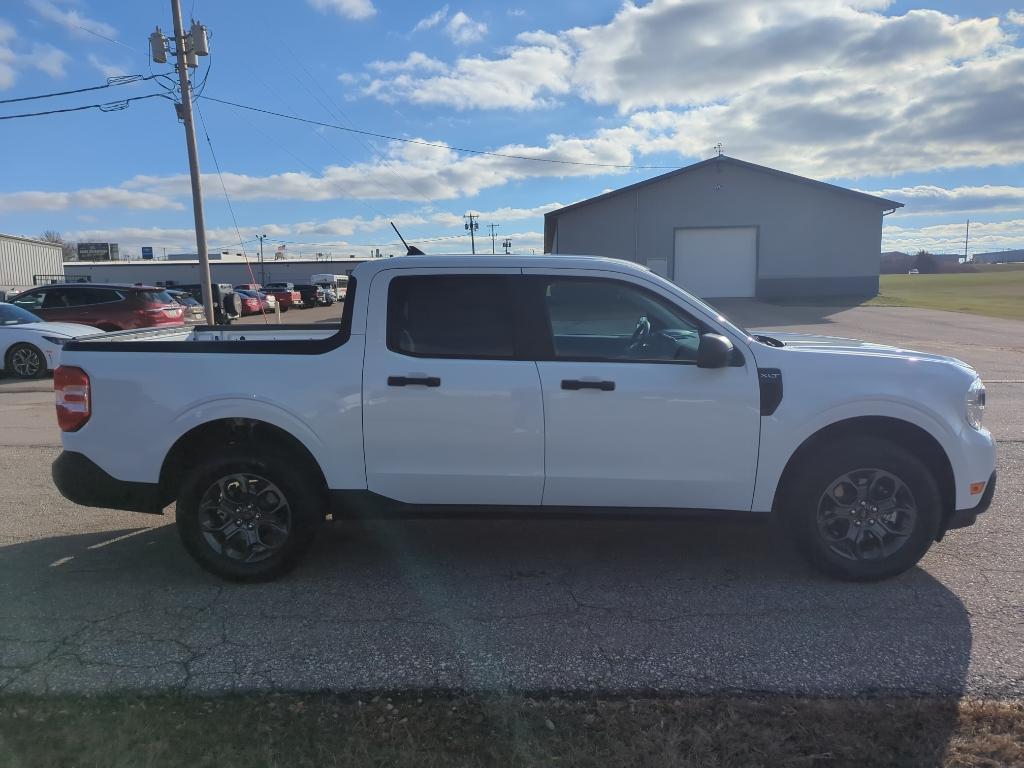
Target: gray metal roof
(881,201)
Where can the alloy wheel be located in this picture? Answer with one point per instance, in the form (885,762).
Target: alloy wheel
(26,362)
(245,517)
(866,514)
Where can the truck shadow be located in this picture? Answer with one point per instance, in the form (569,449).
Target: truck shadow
(540,606)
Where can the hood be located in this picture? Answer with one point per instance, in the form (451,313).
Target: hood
(804,342)
(60,329)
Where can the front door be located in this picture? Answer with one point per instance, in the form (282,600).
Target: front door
(630,419)
(452,413)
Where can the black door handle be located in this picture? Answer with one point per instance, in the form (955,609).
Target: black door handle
(414,381)
(604,386)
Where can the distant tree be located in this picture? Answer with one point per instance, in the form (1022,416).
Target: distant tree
(925,263)
(70,249)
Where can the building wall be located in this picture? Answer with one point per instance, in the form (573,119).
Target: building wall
(184,273)
(810,241)
(22,259)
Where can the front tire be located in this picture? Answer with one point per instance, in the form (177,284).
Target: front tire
(865,510)
(249,514)
(25,361)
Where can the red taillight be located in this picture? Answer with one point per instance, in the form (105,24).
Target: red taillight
(74,401)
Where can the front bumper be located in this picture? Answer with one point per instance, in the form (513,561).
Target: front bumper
(82,481)
(961,518)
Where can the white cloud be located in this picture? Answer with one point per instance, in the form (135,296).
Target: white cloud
(73,21)
(928,199)
(48,59)
(949,238)
(464,30)
(526,78)
(1015,17)
(414,61)
(108,70)
(14,57)
(101,197)
(431,21)
(832,88)
(349,9)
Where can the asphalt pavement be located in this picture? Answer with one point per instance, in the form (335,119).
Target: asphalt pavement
(99,600)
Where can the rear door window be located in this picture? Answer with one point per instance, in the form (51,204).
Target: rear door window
(88,296)
(461,316)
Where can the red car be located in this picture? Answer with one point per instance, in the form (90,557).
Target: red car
(107,306)
(285,294)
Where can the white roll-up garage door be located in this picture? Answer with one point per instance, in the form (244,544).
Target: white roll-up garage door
(716,262)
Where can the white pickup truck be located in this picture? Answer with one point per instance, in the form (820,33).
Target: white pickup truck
(497,386)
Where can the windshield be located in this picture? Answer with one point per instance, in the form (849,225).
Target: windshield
(12,315)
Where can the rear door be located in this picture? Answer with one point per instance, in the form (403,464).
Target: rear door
(452,413)
(631,421)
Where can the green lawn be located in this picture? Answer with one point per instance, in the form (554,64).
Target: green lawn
(995,290)
(437,730)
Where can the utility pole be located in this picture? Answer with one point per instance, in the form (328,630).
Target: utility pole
(187,49)
(492,227)
(263,274)
(472,226)
(507,245)
(967,239)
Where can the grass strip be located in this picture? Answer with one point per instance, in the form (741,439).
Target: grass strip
(438,729)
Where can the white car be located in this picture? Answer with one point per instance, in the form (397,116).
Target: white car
(498,386)
(29,346)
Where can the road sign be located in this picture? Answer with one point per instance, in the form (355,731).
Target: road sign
(147,252)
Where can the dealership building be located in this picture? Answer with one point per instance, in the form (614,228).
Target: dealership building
(728,228)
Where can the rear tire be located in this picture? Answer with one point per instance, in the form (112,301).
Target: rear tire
(25,361)
(249,513)
(864,510)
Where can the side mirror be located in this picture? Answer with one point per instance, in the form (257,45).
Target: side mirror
(715,351)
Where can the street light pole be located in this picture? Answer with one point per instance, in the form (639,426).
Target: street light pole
(185,49)
(263,274)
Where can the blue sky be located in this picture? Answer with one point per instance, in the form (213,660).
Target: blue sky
(920,102)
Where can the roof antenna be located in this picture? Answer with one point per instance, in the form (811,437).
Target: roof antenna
(720,149)
(410,250)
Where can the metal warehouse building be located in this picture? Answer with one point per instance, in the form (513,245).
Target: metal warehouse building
(25,263)
(724,227)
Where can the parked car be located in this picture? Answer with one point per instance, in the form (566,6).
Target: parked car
(286,295)
(252,302)
(558,384)
(227,305)
(312,295)
(194,314)
(914,272)
(249,287)
(29,346)
(109,307)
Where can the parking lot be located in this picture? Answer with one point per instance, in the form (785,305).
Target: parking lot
(98,600)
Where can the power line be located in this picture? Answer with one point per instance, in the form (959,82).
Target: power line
(113,106)
(438,145)
(111,82)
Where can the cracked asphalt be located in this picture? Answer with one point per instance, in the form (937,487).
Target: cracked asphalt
(96,601)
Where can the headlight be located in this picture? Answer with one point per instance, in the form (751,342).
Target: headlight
(58,340)
(976,403)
